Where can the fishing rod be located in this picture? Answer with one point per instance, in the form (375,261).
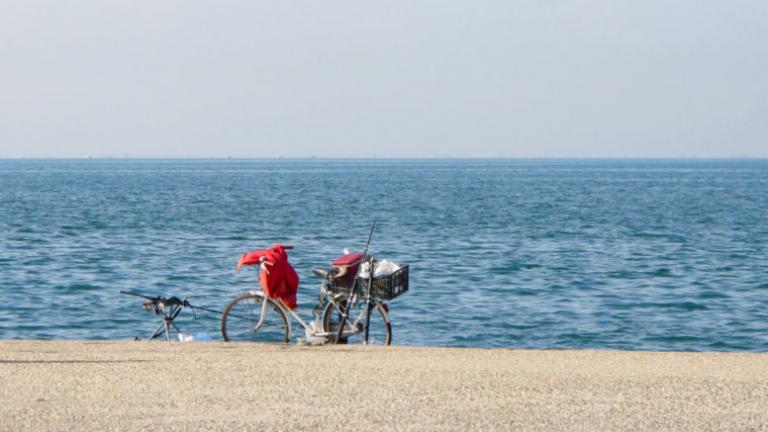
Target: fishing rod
(368,305)
(345,308)
(159,303)
(370,235)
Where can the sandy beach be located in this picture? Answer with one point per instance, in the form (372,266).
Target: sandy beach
(98,386)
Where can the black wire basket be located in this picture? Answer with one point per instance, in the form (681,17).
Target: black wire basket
(385,287)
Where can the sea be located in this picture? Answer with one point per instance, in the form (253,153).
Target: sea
(667,255)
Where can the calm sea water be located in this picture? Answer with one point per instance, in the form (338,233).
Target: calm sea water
(657,255)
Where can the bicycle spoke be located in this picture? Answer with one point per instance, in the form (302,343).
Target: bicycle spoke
(240,321)
(354,326)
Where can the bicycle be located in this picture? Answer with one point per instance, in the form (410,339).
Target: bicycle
(344,297)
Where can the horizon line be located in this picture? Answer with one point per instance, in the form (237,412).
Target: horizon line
(331,158)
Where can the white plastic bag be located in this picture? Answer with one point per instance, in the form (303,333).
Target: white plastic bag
(197,337)
(382,268)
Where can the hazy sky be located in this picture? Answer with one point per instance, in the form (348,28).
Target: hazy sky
(513,78)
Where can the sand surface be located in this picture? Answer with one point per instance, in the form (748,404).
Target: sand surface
(105,386)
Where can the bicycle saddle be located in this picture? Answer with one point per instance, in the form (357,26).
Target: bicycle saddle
(327,273)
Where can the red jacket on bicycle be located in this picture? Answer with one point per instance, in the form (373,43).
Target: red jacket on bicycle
(278,278)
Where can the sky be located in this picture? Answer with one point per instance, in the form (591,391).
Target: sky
(393,79)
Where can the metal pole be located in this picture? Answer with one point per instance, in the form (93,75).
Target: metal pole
(368,301)
(167,320)
(157,331)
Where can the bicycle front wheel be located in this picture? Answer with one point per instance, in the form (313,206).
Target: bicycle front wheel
(241,318)
(379,328)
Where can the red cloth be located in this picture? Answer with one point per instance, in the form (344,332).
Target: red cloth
(279,280)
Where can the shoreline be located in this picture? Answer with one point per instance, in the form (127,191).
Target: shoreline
(123,385)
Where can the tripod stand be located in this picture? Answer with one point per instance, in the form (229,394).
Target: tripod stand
(166,309)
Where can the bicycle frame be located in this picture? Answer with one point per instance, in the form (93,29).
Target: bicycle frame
(288,312)
(311,330)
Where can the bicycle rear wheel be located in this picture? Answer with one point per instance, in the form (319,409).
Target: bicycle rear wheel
(379,328)
(241,317)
